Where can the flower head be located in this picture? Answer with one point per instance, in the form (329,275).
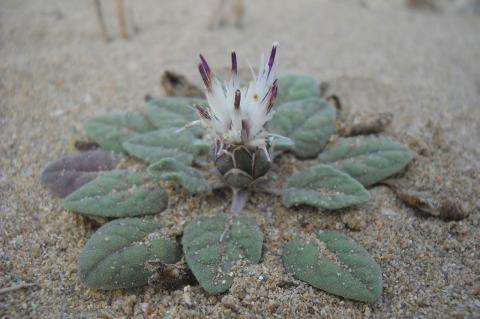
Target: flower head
(237,115)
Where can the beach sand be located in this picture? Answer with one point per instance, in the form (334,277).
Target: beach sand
(423,66)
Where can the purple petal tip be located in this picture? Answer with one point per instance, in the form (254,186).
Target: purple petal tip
(271,60)
(234,62)
(205,64)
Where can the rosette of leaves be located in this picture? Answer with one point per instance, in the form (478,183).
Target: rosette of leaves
(303,124)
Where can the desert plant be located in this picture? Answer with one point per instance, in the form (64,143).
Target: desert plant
(244,129)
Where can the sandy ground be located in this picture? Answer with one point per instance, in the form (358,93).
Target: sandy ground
(55,72)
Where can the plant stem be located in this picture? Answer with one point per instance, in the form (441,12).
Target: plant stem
(240,197)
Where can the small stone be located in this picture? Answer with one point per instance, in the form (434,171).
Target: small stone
(355,220)
(187,296)
(230,302)
(146,309)
(129,304)
(272,306)
(477,303)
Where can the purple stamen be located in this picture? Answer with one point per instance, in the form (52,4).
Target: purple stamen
(274,89)
(273,96)
(272,57)
(204,75)
(205,65)
(269,90)
(234,62)
(236,103)
(201,111)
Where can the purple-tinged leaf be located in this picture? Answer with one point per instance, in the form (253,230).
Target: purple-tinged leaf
(67,174)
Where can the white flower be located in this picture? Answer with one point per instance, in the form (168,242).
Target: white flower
(237,115)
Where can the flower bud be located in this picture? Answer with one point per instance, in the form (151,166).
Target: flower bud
(240,166)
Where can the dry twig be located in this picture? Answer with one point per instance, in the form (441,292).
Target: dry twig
(100,21)
(364,124)
(176,84)
(122,20)
(17,287)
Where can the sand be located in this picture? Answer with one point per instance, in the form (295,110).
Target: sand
(422,66)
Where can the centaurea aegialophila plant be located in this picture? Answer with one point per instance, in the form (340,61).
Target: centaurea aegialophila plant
(235,117)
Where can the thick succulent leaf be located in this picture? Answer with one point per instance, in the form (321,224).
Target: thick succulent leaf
(237,178)
(336,264)
(65,175)
(114,257)
(173,170)
(153,146)
(368,159)
(325,187)
(281,142)
(111,130)
(292,87)
(118,194)
(213,244)
(174,112)
(309,123)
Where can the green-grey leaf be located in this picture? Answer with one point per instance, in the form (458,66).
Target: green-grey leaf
(155,145)
(281,142)
(173,170)
(174,112)
(111,130)
(118,194)
(309,123)
(293,87)
(368,159)
(336,264)
(325,187)
(213,244)
(114,257)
